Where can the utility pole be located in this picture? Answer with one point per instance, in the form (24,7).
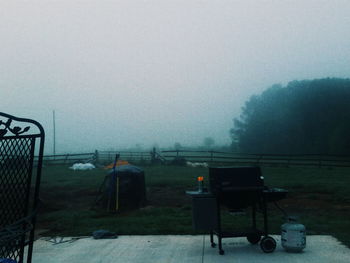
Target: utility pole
(54,132)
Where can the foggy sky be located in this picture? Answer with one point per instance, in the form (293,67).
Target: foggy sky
(123,73)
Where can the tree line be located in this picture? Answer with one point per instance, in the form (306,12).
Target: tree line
(308,116)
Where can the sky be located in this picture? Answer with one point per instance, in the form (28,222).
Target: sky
(125,73)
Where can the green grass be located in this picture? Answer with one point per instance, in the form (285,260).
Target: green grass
(177,176)
(332,181)
(320,196)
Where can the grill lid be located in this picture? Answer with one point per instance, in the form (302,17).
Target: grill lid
(230,179)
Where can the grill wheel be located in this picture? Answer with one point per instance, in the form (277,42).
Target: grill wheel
(254,238)
(268,244)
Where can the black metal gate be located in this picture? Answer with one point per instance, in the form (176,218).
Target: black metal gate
(20,140)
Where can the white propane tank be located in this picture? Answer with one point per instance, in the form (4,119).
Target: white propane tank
(293,235)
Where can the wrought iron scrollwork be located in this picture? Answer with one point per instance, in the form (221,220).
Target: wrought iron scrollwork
(16,130)
(20,174)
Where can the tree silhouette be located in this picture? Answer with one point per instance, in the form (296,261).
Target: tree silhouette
(309,116)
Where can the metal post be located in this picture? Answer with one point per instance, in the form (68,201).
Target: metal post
(54,132)
(254,216)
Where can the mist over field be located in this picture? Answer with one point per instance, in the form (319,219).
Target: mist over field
(127,74)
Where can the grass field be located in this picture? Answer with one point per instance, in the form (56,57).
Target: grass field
(319,196)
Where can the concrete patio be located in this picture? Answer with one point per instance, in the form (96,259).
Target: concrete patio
(191,249)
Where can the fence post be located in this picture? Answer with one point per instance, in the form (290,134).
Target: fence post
(66,159)
(153,155)
(211,155)
(96,157)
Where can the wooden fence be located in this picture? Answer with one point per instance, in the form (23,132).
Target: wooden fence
(211,157)
(260,159)
(63,159)
(109,156)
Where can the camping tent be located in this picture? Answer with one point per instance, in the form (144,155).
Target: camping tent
(123,188)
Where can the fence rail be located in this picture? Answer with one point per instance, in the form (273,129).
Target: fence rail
(62,159)
(212,157)
(261,159)
(109,156)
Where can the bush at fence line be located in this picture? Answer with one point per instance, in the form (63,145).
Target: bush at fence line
(82,166)
(191,164)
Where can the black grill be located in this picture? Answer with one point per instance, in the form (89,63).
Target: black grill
(235,188)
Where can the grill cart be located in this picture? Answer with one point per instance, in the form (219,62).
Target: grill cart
(235,188)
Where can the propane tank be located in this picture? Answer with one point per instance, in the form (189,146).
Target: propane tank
(293,235)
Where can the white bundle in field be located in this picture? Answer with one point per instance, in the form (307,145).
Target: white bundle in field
(82,166)
(191,164)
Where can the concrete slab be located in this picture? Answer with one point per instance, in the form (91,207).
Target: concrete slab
(319,249)
(136,249)
(186,248)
